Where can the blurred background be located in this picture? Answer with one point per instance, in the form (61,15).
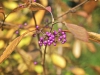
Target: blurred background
(75,57)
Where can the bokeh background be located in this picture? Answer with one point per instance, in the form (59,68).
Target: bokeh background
(75,57)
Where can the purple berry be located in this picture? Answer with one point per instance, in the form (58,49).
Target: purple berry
(54,44)
(60,37)
(62,32)
(64,36)
(17,32)
(47,33)
(59,30)
(54,32)
(52,36)
(37,27)
(34,0)
(41,38)
(45,42)
(25,24)
(49,43)
(35,63)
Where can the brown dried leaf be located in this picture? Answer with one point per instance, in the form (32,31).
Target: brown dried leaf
(97,69)
(36,6)
(78,32)
(94,36)
(10,48)
(90,6)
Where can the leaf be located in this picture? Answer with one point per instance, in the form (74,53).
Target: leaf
(90,6)
(10,48)
(20,7)
(25,1)
(78,71)
(77,49)
(1,8)
(91,47)
(27,59)
(36,6)
(58,60)
(78,32)
(10,4)
(38,69)
(94,36)
(97,69)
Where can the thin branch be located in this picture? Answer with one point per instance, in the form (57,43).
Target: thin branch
(69,11)
(73,9)
(38,36)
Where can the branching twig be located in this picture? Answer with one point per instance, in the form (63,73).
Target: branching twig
(69,11)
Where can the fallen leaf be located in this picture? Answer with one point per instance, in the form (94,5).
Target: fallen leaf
(78,32)
(78,71)
(77,49)
(10,48)
(58,60)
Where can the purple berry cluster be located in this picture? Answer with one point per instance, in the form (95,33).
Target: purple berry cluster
(51,38)
(62,36)
(48,39)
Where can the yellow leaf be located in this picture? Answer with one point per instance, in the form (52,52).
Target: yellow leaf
(58,60)
(77,49)
(24,41)
(10,4)
(78,71)
(12,17)
(38,68)
(1,44)
(22,67)
(10,33)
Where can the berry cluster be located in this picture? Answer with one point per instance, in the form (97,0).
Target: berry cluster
(48,39)
(62,36)
(51,37)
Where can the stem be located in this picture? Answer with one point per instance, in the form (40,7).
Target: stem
(73,9)
(38,36)
(33,14)
(44,73)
